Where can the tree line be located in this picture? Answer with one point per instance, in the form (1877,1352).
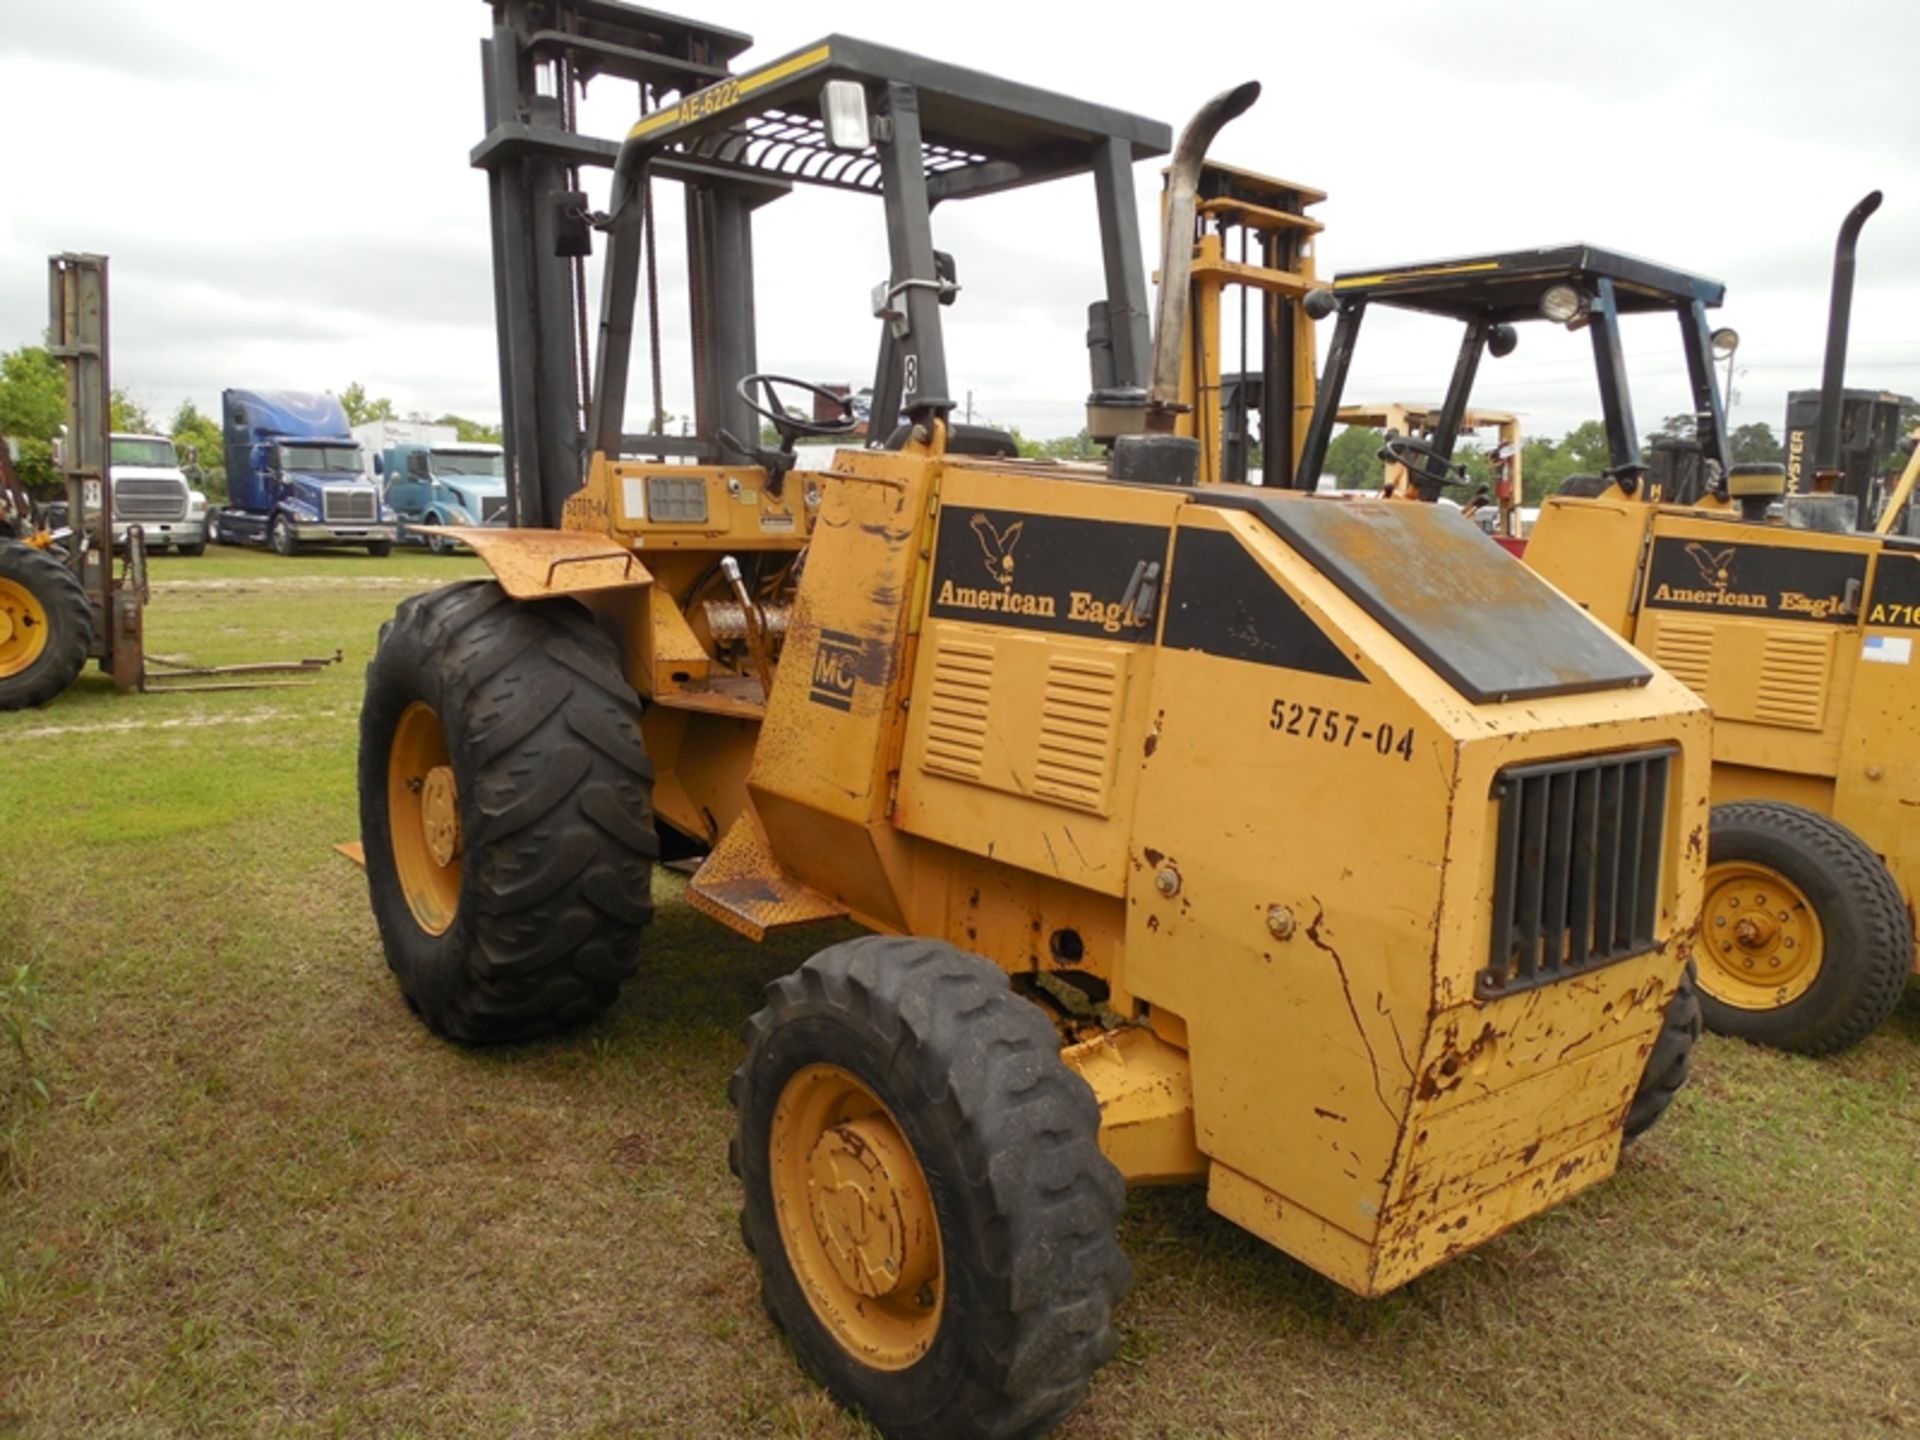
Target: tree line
(33,407)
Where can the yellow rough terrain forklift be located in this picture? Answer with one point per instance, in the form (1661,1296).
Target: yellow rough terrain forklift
(1781,609)
(1310,851)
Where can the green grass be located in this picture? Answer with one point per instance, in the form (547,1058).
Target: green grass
(259,1200)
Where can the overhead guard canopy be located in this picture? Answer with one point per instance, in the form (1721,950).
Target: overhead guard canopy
(1508,287)
(979,133)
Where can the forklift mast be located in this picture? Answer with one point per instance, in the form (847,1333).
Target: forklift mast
(539,58)
(918,132)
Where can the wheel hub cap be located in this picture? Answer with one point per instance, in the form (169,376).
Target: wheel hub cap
(1762,936)
(423,819)
(440,815)
(870,1208)
(23,628)
(856,1217)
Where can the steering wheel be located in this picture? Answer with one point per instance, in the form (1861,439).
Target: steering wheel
(789,427)
(1426,466)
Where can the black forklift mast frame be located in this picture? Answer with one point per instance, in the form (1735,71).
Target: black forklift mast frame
(737,142)
(1488,293)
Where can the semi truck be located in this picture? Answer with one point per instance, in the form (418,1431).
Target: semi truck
(295,476)
(446,483)
(150,491)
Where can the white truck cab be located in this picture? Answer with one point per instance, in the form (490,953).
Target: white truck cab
(150,491)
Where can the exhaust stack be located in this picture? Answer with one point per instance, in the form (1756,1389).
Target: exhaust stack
(1176,249)
(1826,434)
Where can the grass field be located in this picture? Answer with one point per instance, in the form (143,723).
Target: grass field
(258,1199)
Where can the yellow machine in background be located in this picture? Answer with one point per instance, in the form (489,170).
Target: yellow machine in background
(1499,502)
(1797,628)
(1252,237)
(1308,851)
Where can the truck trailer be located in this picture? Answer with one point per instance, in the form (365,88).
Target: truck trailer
(295,476)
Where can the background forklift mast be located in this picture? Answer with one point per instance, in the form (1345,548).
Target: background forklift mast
(61,602)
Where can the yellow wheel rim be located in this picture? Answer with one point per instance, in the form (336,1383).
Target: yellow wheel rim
(423,817)
(856,1217)
(23,628)
(1763,941)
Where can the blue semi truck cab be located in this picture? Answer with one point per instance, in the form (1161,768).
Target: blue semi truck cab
(444,483)
(294,476)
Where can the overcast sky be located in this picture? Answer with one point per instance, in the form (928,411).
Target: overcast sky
(285,194)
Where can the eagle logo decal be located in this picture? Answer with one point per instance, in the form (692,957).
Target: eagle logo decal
(996,546)
(1713,564)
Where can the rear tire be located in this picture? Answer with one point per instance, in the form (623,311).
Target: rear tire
(193,552)
(46,626)
(1670,1061)
(535,922)
(1819,967)
(1017,1313)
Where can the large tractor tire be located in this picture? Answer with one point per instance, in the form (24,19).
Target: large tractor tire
(506,812)
(924,1189)
(46,626)
(1806,943)
(1669,1062)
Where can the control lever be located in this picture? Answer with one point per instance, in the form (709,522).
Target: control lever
(1142,594)
(759,644)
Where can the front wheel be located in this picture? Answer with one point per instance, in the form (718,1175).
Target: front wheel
(213,528)
(506,812)
(924,1189)
(1670,1061)
(379,549)
(1806,941)
(280,537)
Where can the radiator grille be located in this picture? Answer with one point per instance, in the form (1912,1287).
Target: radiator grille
(149,500)
(349,505)
(493,508)
(1577,883)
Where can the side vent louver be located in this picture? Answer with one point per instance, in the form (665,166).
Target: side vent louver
(1079,711)
(957,719)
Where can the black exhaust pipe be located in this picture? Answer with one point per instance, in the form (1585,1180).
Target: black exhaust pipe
(1826,431)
